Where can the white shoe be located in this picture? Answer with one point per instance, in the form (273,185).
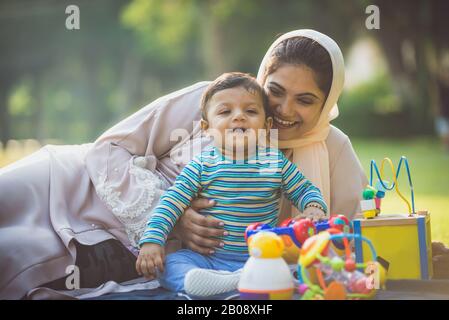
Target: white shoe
(207,282)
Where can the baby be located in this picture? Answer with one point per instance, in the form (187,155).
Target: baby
(242,174)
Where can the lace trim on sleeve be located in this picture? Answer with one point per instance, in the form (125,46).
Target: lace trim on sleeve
(135,215)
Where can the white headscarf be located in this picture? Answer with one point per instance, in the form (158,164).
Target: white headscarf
(310,152)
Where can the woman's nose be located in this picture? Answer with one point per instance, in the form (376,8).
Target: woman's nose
(285,108)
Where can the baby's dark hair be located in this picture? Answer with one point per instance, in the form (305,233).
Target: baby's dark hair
(233,80)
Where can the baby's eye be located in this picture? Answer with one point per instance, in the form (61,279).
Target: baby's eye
(224,112)
(252,111)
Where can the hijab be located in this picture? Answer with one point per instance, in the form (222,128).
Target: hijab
(310,152)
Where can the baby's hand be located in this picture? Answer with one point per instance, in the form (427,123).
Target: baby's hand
(151,256)
(314,214)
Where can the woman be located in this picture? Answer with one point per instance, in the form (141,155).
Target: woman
(303,79)
(107,190)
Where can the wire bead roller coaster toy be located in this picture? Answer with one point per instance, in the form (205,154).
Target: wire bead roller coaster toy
(402,240)
(372,196)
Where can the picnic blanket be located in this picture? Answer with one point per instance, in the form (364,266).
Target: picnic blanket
(141,289)
(396,290)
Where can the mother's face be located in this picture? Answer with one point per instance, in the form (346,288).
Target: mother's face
(295,99)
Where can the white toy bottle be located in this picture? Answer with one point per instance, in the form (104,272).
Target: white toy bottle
(266,275)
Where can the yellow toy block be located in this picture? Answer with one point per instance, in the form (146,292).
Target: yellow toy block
(402,240)
(368,208)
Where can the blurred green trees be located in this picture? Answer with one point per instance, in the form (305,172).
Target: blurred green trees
(73,84)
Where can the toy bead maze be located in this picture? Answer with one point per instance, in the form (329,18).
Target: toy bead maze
(401,239)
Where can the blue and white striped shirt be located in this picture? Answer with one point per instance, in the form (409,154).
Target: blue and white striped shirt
(245,192)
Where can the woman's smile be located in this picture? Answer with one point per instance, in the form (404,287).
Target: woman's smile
(295,100)
(282,123)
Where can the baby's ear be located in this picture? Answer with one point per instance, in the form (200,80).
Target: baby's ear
(268,123)
(204,125)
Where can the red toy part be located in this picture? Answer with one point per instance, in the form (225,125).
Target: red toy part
(359,286)
(251,227)
(350,265)
(286,222)
(304,229)
(341,223)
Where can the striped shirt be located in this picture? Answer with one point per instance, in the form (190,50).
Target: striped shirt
(245,192)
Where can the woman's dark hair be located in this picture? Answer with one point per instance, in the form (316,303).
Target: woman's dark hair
(303,51)
(233,80)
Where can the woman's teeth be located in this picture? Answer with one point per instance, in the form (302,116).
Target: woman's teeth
(239,130)
(284,122)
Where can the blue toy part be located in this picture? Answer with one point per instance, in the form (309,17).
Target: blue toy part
(380,189)
(383,184)
(322,225)
(294,229)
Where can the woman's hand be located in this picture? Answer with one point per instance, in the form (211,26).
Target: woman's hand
(440,260)
(151,258)
(196,231)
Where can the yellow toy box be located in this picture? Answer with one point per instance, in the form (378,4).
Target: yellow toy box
(403,240)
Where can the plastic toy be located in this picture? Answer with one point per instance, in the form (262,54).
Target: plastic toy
(382,186)
(404,240)
(294,232)
(341,223)
(368,204)
(337,278)
(266,275)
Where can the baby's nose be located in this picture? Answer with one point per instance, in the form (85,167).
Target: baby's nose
(238,115)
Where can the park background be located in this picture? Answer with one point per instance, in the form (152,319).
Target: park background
(65,86)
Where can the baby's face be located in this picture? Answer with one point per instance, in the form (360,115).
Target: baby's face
(235,117)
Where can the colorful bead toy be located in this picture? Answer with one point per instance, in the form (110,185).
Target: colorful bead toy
(337,278)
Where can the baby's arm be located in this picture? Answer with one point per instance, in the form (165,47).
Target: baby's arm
(301,192)
(172,204)
(151,258)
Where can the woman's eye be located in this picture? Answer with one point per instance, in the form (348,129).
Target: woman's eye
(305,102)
(275,92)
(224,112)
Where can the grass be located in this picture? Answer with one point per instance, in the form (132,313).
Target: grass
(16,150)
(428,165)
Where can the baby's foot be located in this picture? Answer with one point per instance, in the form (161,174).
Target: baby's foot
(207,282)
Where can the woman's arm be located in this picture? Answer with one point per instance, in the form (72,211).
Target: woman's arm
(122,166)
(122,162)
(300,191)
